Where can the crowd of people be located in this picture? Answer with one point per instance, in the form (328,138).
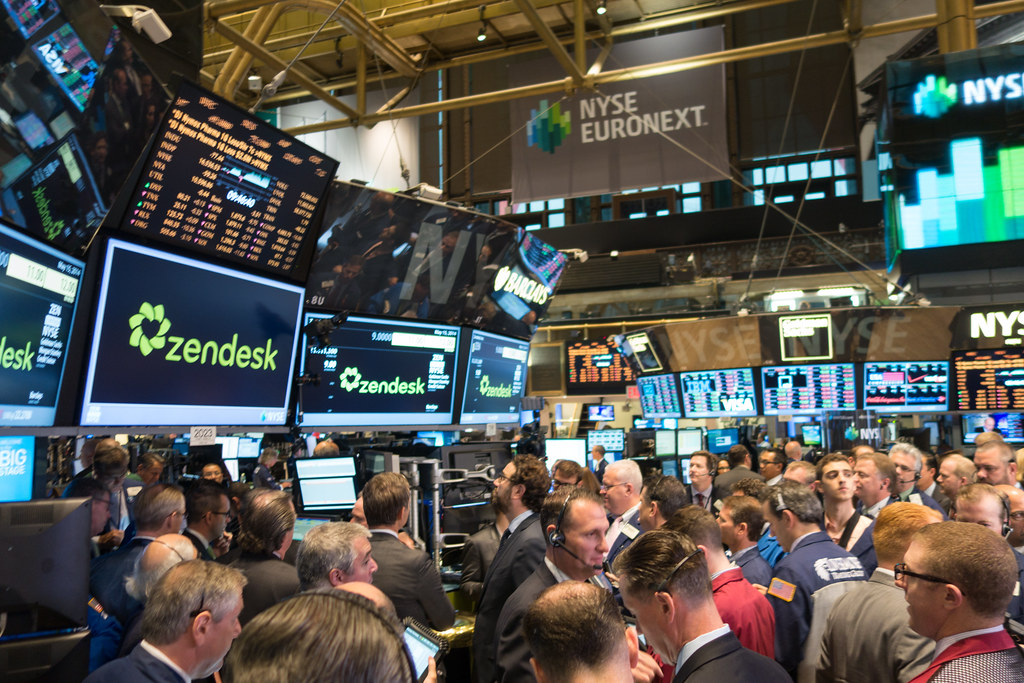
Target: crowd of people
(846,569)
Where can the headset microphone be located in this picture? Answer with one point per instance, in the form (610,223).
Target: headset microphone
(557,537)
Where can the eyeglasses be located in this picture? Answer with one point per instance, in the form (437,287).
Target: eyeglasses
(901,573)
(609,487)
(661,586)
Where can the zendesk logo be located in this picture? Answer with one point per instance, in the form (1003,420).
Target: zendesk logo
(352,380)
(191,351)
(16,359)
(489,390)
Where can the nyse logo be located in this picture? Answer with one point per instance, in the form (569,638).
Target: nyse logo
(1006,324)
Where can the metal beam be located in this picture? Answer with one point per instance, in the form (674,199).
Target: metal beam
(272,60)
(549,39)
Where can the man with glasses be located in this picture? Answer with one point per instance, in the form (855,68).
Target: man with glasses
(191,618)
(908,462)
(814,563)
(621,492)
(565,473)
(207,510)
(1016,499)
(957,580)
(664,581)
(771,465)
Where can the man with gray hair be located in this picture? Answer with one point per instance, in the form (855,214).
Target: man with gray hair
(621,491)
(267,525)
(190,621)
(908,461)
(813,563)
(333,554)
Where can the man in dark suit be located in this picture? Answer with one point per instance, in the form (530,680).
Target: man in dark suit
(909,461)
(660,497)
(599,463)
(191,618)
(621,490)
(739,468)
(267,525)
(664,581)
(159,509)
(519,492)
(206,511)
(409,577)
(702,489)
(741,521)
(574,523)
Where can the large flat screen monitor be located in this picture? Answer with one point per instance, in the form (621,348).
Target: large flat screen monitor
(659,396)
(811,433)
(808,389)
(721,440)
(719,393)
(181,342)
(566,449)
(379,372)
(901,387)
(17,468)
(495,379)
(596,367)
(613,440)
(665,442)
(689,440)
(1009,425)
(39,291)
(327,483)
(640,347)
(29,16)
(989,380)
(225,184)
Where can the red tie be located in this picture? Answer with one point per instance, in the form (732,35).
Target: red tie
(700,499)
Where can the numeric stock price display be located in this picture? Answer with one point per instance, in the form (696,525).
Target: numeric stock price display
(989,380)
(225,184)
(808,389)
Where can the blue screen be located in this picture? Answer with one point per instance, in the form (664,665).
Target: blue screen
(17,455)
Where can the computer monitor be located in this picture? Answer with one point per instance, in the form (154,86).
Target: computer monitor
(689,440)
(659,396)
(1009,425)
(664,442)
(304,524)
(808,389)
(495,379)
(613,440)
(902,387)
(719,393)
(327,483)
(566,449)
(601,413)
(721,440)
(684,470)
(811,433)
(988,379)
(669,466)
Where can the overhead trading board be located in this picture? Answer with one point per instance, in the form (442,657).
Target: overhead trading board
(719,393)
(808,389)
(226,184)
(596,367)
(989,380)
(906,387)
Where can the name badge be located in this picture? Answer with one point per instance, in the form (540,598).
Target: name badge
(629,531)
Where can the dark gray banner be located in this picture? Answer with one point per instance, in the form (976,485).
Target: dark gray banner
(640,133)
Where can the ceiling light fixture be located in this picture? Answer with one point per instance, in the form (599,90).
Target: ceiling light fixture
(481,35)
(602,7)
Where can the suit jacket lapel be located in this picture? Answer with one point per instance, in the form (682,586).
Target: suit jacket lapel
(719,647)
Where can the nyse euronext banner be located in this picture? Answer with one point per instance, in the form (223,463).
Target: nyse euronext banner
(625,134)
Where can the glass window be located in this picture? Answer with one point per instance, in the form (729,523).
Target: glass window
(519,208)
(482,207)
(533,226)
(845,188)
(648,189)
(844,166)
(814,195)
(757,177)
(556,220)
(775,174)
(501,208)
(663,212)
(691,204)
(638,214)
(606,213)
(536,206)
(556,205)
(784,199)
(821,169)
(797,171)
(691,188)
(758,197)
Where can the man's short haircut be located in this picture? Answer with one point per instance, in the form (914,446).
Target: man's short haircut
(204,496)
(648,562)
(150,458)
(737,455)
(976,493)
(962,467)
(749,486)
(1000,447)
(628,472)
(710,460)
(599,448)
(110,461)
(800,500)
(87,487)
(148,571)
(570,497)
(667,491)
(384,496)
(895,527)
(698,524)
(269,455)
(326,547)
(929,461)
(531,473)
(986,438)
(570,469)
(323,636)
(746,510)
(886,470)
(266,520)
(574,628)
(808,470)
(975,559)
(153,504)
(912,451)
(185,590)
(326,449)
(819,472)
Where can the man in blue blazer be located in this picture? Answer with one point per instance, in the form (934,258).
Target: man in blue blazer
(191,618)
(664,581)
(621,490)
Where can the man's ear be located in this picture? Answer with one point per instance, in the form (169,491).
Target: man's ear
(201,626)
(337,577)
(633,646)
(518,491)
(952,598)
(537,671)
(741,529)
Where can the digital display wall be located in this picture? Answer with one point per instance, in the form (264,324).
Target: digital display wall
(495,379)
(808,389)
(181,342)
(719,393)
(949,149)
(596,367)
(379,372)
(30,15)
(659,396)
(39,290)
(613,440)
(906,387)
(17,467)
(225,184)
(989,380)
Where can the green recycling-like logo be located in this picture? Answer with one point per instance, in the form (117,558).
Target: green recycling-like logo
(350,378)
(152,314)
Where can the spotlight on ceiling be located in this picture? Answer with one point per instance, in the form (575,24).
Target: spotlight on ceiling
(602,7)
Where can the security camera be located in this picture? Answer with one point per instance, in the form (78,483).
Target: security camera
(143,19)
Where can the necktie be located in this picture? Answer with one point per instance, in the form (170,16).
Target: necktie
(504,537)
(700,499)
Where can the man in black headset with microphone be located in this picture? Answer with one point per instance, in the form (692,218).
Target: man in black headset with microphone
(908,461)
(574,524)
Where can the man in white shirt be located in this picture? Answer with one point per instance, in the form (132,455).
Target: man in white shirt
(876,482)
(621,490)
(771,464)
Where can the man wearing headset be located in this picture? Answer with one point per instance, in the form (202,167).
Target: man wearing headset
(908,461)
(574,524)
(983,504)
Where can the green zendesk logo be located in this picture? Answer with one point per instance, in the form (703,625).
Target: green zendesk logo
(352,380)
(16,359)
(225,354)
(489,390)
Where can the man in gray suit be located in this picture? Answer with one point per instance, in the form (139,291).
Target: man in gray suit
(867,636)
(739,468)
